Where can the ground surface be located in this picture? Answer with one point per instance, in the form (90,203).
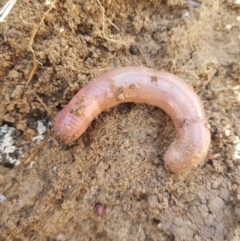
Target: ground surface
(51,193)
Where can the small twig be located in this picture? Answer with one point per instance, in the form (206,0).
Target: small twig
(25,22)
(103,16)
(103,25)
(35,62)
(40,100)
(5,10)
(114,25)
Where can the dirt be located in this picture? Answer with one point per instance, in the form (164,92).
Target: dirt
(49,51)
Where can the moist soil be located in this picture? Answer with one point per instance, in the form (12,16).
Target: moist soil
(48,51)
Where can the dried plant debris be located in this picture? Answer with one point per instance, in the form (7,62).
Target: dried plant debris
(6,9)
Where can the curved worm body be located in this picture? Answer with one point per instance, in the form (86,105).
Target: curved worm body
(142,85)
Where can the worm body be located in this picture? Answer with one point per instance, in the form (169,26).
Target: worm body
(142,85)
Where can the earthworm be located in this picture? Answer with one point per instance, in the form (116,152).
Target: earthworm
(149,86)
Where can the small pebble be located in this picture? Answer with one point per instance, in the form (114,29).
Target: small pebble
(99,209)
(2,198)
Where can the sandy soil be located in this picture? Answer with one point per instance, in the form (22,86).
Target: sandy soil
(47,52)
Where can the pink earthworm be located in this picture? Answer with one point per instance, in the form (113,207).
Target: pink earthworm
(149,86)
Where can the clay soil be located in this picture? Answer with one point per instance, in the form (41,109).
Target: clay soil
(48,50)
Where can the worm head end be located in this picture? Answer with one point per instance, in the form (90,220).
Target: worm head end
(181,157)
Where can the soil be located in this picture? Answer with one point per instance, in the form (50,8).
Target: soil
(51,49)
